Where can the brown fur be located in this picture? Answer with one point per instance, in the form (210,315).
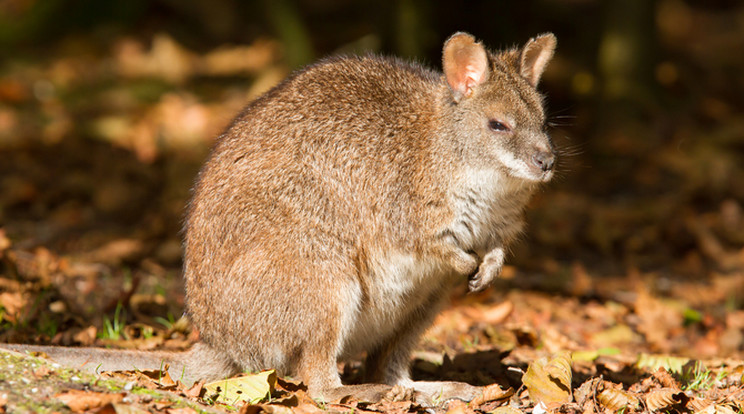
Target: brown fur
(337,210)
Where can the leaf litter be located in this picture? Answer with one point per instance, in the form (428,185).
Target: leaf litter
(626,295)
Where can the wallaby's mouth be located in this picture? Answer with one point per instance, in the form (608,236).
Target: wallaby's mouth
(546,176)
(538,168)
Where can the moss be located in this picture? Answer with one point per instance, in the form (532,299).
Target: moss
(31,383)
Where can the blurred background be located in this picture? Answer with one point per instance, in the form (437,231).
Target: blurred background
(108,108)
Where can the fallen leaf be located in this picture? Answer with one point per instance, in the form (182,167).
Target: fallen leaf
(699,405)
(251,388)
(492,392)
(79,401)
(289,385)
(151,379)
(459,407)
(116,251)
(591,355)
(616,399)
(13,303)
(658,319)
(120,408)
(4,241)
(619,334)
(666,379)
(275,409)
(664,398)
(182,410)
(498,314)
(587,391)
(87,336)
(549,380)
(195,391)
(719,409)
(654,362)
(506,410)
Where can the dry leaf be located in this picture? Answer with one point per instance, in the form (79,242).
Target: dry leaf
(697,404)
(249,389)
(87,336)
(13,303)
(79,401)
(615,399)
(587,391)
(498,314)
(666,379)
(119,408)
(151,379)
(275,409)
(4,241)
(506,410)
(654,362)
(664,398)
(718,409)
(657,319)
(459,407)
(549,380)
(161,377)
(492,392)
(194,392)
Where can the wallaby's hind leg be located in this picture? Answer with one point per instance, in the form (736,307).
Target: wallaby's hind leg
(390,363)
(317,367)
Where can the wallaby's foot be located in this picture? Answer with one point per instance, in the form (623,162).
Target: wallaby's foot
(443,391)
(373,393)
(488,271)
(401,393)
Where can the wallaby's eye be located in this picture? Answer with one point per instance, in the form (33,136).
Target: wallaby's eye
(497,126)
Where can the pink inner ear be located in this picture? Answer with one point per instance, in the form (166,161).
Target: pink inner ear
(471,70)
(474,75)
(465,64)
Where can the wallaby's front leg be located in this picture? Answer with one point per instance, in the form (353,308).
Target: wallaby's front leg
(449,251)
(488,270)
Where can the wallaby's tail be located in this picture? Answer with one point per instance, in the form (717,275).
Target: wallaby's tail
(199,363)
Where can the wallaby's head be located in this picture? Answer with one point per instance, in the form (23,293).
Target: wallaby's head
(497,109)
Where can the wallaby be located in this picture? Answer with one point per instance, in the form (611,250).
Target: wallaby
(337,210)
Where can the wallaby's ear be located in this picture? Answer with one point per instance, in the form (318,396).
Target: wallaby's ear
(465,64)
(535,57)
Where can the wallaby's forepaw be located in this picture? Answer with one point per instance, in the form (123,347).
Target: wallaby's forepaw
(483,278)
(488,271)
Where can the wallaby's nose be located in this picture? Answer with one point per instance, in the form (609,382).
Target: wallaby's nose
(544,160)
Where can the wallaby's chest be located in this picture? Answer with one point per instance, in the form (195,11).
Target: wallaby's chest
(487,209)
